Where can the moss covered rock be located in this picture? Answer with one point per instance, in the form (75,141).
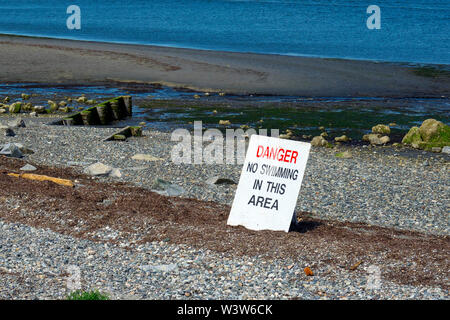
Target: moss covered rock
(381,129)
(15,107)
(431,134)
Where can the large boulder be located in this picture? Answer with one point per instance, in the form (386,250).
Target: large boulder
(431,134)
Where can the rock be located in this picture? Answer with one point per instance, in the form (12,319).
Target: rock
(381,129)
(221,94)
(145,157)
(218,180)
(15,107)
(142,124)
(25,96)
(115,173)
(285,136)
(159,268)
(17,123)
(166,188)
(321,128)
(376,139)
(196,96)
(81,99)
(62,103)
(431,134)
(39,109)
(436,149)
(343,155)
(119,137)
(7,131)
(342,138)
(91,101)
(446,150)
(98,169)
(3,110)
(11,150)
(28,167)
(33,114)
(324,134)
(225,122)
(319,141)
(53,106)
(6,100)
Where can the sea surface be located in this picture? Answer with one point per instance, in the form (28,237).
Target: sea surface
(416,31)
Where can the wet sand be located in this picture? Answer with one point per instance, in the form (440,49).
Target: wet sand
(42,60)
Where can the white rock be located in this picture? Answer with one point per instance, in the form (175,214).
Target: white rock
(28,167)
(446,150)
(145,157)
(98,169)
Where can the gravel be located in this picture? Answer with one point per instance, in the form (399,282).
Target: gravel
(401,188)
(41,264)
(381,186)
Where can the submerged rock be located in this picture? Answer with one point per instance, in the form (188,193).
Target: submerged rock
(342,138)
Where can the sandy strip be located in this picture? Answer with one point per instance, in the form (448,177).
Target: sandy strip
(44,60)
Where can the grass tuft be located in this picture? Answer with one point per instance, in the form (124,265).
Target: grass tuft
(87,295)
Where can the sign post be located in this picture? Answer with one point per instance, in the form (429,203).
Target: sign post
(269,184)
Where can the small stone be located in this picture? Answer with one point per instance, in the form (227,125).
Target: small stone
(33,114)
(145,157)
(17,123)
(25,96)
(436,149)
(224,122)
(446,150)
(98,169)
(218,180)
(115,173)
(381,129)
(28,167)
(319,141)
(166,188)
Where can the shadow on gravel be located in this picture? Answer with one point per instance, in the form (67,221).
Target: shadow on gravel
(304,226)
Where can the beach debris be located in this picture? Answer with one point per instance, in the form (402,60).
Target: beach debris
(103,113)
(38,177)
(308,271)
(28,167)
(17,123)
(11,150)
(432,133)
(219,180)
(381,129)
(224,122)
(130,131)
(15,107)
(319,141)
(356,265)
(25,96)
(342,138)
(145,157)
(166,188)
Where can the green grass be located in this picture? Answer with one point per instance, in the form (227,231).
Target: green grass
(87,295)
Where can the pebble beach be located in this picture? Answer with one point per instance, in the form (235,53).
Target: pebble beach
(395,188)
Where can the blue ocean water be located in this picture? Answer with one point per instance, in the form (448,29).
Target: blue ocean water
(416,31)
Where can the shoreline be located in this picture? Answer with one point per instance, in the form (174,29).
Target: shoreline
(324,57)
(47,60)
